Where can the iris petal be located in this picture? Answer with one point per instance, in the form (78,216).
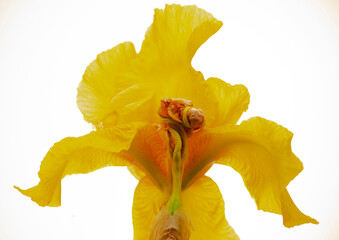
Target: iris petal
(147,202)
(163,65)
(204,203)
(122,86)
(107,95)
(116,146)
(260,150)
(176,34)
(292,216)
(230,102)
(149,149)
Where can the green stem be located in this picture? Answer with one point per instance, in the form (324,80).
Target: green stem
(178,137)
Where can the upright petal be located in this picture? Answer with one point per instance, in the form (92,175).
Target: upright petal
(204,204)
(109,147)
(176,34)
(106,95)
(260,150)
(163,65)
(230,102)
(121,86)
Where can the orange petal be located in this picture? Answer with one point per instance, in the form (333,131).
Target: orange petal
(149,151)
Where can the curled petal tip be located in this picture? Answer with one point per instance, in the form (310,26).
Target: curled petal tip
(298,222)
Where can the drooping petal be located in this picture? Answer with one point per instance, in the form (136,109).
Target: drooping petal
(147,202)
(260,150)
(116,146)
(204,204)
(292,216)
(106,95)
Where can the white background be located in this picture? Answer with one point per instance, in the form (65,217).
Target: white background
(285,52)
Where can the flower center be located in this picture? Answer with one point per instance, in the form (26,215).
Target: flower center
(181,120)
(181,112)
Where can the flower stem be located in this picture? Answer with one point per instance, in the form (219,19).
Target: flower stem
(178,151)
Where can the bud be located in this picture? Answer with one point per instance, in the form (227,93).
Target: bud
(196,118)
(182,111)
(173,108)
(170,227)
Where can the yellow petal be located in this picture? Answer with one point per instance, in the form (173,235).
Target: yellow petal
(106,95)
(163,65)
(109,147)
(204,204)
(176,34)
(121,86)
(136,172)
(230,102)
(292,216)
(147,202)
(260,150)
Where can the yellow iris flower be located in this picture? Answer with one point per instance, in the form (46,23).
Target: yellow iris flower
(120,94)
